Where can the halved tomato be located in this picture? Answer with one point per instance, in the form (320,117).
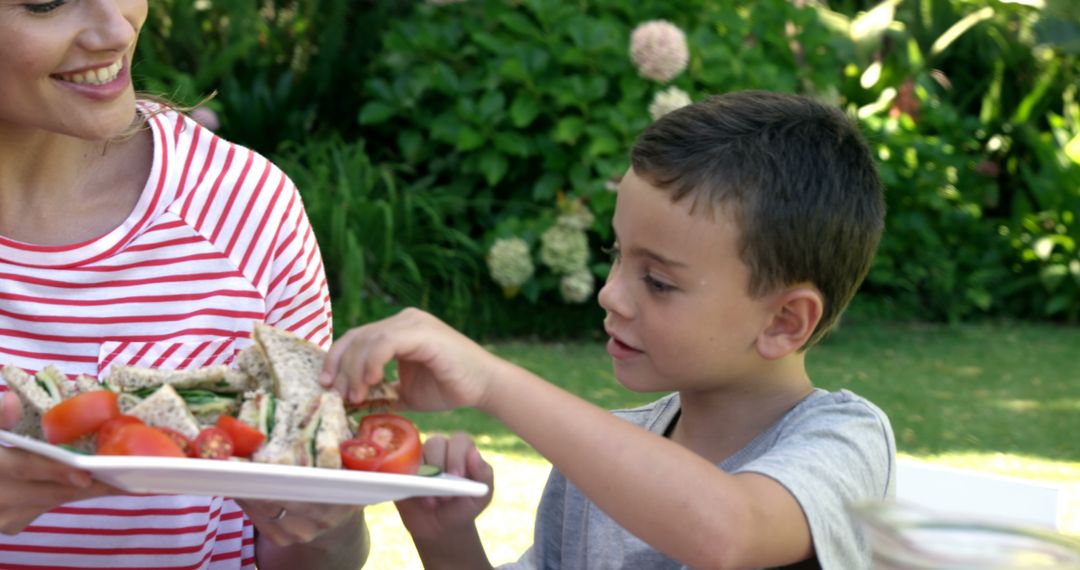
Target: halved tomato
(245,438)
(398,438)
(139,439)
(213,443)
(78,416)
(361,454)
(181,440)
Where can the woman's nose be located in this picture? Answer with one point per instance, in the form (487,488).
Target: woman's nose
(111,25)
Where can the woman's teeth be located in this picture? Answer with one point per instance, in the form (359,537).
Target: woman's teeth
(98,76)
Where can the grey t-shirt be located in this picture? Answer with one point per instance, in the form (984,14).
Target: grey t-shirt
(831,449)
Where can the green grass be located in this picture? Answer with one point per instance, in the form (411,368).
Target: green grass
(1002,398)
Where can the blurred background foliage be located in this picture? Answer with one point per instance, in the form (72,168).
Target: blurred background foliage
(421,132)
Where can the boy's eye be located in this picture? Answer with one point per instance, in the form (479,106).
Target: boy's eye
(44,7)
(655,285)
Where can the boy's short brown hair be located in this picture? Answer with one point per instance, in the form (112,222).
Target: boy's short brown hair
(798,177)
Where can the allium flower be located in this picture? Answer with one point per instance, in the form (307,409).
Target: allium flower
(205,117)
(659,51)
(667,101)
(564,249)
(577,287)
(510,263)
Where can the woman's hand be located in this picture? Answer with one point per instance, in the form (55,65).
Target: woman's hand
(30,484)
(438,367)
(428,518)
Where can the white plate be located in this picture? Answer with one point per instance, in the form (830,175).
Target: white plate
(240,479)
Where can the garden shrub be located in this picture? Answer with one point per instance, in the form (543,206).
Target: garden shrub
(444,149)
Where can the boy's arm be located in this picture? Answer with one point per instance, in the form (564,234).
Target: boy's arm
(674,500)
(671,498)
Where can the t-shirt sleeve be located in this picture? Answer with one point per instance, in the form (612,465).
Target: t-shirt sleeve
(546,551)
(298,299)
(830,456)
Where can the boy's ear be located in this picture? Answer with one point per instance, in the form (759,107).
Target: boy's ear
(796,315)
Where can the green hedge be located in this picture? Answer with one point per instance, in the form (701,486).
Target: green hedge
(423,134)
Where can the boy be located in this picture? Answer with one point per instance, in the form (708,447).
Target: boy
(742,230)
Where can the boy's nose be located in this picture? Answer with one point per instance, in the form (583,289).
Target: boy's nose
(612,296)
(112,25)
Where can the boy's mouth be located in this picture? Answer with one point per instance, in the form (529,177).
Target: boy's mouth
(620,350)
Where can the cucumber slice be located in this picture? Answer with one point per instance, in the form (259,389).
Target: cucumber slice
(428,470)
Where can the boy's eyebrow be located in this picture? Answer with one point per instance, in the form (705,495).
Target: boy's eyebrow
(656,256)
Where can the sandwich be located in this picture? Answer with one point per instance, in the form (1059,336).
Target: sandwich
(304,423)
(37,398)
(165,408)
(208,392)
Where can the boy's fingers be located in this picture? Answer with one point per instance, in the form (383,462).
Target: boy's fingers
(458,449)
(435,451)
(478,469)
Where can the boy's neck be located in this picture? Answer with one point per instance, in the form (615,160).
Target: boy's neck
(717,423)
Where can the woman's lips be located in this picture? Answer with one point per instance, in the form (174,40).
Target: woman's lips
(99,91)
(619,350)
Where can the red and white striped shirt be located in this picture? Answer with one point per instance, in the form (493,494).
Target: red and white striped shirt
(219,239)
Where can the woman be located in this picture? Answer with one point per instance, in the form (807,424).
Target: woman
(131,235)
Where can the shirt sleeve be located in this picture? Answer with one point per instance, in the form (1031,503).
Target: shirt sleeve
(832,456)
(298,299)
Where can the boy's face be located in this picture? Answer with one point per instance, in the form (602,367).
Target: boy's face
(678,312)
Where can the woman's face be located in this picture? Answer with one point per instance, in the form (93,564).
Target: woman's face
(65,65)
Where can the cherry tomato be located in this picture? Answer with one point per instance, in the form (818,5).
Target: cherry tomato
(108,429)
(213,443)
(78,416)
(245,438)
(139,439)
(398,438)
(361,454)
(181,440)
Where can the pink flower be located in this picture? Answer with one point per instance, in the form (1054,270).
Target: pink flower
(659,51)
(205,117)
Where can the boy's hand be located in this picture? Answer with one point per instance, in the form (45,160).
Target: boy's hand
(438,367)
(428,518)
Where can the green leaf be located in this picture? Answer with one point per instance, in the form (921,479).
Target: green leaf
(469,139)
(1051,276)
(524,110)
(958,29)
(375,112)
(1057,304)
(493,165)
(512,143)
(546,187)
(490,105)
(568,130)
(411,144)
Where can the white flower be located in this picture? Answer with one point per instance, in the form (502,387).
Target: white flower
(667,101)
(577,287)
(564,249)
(659,51)
(510,263)
(579,219)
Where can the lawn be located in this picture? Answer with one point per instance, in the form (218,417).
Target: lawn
(1002,398)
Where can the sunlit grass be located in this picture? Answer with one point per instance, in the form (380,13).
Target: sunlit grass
(996,398)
